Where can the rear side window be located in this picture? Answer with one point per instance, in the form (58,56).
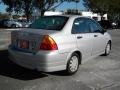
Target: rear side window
(50,23)
(80,25)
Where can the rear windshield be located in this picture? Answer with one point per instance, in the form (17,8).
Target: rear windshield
(49,23)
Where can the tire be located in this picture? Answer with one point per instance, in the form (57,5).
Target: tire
(73,64)
(13,26)
(107,49)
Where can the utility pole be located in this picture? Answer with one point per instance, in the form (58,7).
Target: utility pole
(77,1)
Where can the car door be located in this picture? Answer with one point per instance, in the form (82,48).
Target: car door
(99,40)
(84,40)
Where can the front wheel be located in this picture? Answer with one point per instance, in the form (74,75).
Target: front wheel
(107,49)
(73,64)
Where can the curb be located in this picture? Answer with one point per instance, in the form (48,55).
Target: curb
(14,29)
(5,46)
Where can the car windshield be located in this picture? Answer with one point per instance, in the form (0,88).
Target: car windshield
(49,23)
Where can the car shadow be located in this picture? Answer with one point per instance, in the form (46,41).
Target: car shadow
(9,69)
(59,73)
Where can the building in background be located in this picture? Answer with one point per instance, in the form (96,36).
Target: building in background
(48,13)
(94,15)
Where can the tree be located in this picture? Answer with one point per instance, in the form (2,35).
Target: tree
(46,5)
(114,9)
(98,6)
(103,6)
(19,6)
(27,6)
(13,5)
(4,16)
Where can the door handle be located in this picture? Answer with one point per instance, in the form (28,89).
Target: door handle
(79,37)
(95,35)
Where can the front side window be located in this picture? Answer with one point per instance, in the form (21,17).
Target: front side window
(94,27)
(50,23)
(80,25)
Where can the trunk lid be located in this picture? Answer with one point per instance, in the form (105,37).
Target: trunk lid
(29,40)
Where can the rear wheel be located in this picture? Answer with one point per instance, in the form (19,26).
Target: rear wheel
(107,49)
(73,64)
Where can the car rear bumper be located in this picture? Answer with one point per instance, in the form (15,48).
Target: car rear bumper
(42,61)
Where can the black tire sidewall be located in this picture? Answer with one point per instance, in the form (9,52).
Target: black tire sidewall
(68,69)
(13,26)
(106,49)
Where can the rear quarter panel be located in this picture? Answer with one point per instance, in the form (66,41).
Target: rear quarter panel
(65,42)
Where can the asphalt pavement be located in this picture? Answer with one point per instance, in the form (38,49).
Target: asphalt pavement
(101,73)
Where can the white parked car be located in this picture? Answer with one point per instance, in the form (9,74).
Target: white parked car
(12,23)
(54,43)
(25,23)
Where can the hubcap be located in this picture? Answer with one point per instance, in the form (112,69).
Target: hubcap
(73,63)
(108,49)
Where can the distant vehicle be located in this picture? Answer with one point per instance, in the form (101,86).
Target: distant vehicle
(11,23)
(116,24)
(25,23)
(54,43)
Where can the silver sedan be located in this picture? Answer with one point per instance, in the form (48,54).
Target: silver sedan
(54,43)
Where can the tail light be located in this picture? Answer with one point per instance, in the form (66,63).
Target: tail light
(48,43)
